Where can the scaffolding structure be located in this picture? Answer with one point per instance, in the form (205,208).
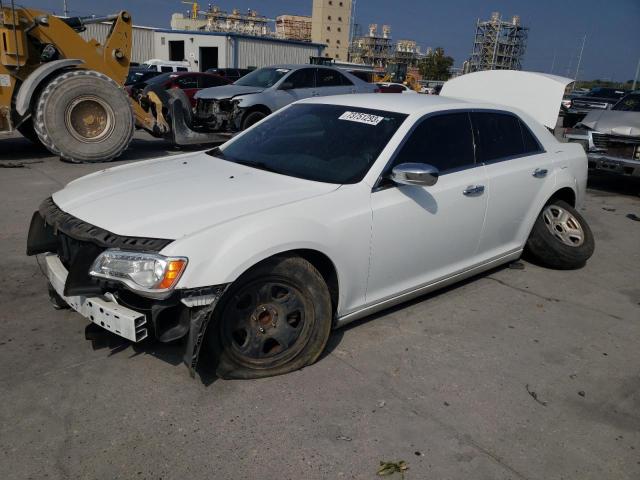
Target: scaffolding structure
(373,49)
(498,45)
(250,23)
(216,20)
(294,27)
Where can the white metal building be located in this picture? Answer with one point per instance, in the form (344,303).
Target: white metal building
(231,50)
(143,39)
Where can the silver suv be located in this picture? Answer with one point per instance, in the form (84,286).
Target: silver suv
(251,98)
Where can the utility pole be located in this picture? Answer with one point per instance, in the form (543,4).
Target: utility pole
(65,9)
(553,63)
(575,78)
(635,79)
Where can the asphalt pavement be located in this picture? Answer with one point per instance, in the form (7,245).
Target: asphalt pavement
(519,373)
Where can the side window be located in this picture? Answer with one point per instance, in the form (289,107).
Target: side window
(444,141)
(187,81)
(207,81)
(182,69)
(498,136)
(344,80)
(166,69)
(531,145)
(328,78)
(302,78)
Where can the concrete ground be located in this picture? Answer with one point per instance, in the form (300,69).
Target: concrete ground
(516,374)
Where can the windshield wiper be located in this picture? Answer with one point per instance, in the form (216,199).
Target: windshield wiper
(258,165)
(216,152)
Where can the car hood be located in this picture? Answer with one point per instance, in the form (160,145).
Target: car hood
(614,122)
(175,196)
(226,91)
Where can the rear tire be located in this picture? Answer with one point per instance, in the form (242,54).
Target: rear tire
(561,237)
(84,116)
(276,318)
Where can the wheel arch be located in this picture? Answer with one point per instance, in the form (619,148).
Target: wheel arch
(37,79)
(566,194)
(321,261)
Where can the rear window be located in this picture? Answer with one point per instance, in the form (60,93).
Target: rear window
(500,135)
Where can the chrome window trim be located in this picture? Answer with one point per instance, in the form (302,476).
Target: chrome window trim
(378,185)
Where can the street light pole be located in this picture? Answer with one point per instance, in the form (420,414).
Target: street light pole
(65,9)
(635,79)
(575,78)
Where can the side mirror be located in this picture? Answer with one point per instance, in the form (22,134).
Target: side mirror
(286,86)
(415,174)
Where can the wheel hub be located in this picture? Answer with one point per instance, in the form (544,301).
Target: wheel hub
(89,119)
(265,321)
(563,226)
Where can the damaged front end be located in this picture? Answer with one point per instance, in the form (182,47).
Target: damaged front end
(71,247)
(219,114)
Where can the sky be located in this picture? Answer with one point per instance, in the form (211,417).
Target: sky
(556,27)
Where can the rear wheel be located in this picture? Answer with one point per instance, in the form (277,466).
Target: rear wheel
(561,237)
(275,319)
(84,116)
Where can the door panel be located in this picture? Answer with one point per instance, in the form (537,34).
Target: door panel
(422,234)
(520,176)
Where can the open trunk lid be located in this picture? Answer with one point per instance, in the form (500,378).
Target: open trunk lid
(537,94)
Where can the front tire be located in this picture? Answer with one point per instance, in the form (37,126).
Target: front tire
(561,237)
(84,116)
(252,118)
(275,319)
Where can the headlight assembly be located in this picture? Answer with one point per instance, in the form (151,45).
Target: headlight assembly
(150,273)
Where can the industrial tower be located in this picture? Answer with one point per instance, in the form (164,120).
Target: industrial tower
(498,45)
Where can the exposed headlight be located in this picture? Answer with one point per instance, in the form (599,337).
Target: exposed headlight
(146,272)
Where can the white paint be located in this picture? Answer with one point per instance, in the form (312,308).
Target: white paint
(537,94)
(385,244)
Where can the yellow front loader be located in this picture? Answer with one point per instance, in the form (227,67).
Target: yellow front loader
(65,92)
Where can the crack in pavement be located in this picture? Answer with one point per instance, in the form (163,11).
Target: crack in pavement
(553,299)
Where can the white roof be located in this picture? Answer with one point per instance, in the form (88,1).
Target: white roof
(391,102)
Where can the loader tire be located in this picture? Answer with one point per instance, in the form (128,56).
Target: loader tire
(84,117)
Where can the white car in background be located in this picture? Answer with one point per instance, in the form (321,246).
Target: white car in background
(395,88)
(325,212)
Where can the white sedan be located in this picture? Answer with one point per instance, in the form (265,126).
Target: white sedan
(323,213)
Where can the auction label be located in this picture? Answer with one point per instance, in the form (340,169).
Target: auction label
(361,118)
(5,81)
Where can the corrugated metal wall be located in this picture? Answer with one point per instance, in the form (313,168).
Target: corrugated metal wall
(258,53)
(143,40)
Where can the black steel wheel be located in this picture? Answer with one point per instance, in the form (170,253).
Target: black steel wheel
(275,319)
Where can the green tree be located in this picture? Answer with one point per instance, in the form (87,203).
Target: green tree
(436,65)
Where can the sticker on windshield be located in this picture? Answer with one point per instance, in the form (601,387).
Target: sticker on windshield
(361,118)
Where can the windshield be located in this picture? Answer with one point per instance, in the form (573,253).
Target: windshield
(630,103)
(605,92)
(263,77)
(136,76)
(324,143)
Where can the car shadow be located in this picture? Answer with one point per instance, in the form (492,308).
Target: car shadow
(172,353)
(604,184)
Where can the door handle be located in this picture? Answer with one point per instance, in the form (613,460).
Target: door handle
(540,172)
(473,190)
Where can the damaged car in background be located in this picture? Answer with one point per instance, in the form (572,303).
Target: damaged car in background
(611,138)
(248,100)
(329,210)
